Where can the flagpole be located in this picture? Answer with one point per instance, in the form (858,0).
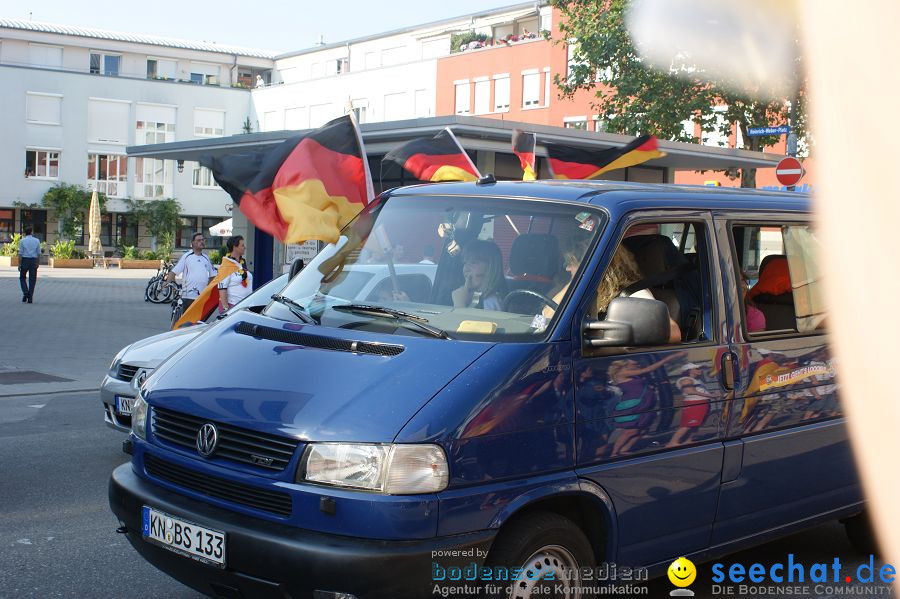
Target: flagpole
(463,150)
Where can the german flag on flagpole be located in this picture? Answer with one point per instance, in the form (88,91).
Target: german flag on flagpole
(208,299)
(572,163)
(307,187)
(438,158)
(523,147)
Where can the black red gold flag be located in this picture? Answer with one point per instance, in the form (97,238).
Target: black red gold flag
(438,158)
(208,299)
(307,187)
(573,163)
(523,147)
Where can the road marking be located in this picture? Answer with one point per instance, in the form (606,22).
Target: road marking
(37,405)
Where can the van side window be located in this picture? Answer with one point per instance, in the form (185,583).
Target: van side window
(664,261)
(780,276)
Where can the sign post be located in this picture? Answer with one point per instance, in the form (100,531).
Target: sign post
(789,171)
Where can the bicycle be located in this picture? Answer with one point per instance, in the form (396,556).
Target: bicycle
(158,290)
(177,304)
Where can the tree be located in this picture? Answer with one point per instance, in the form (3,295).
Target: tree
(161,218)
(71,203)
(634,99)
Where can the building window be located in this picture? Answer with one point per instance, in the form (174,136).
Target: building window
(153,178)
(462,98)
(203,177)
(580,123)
(155,133)
(187,226)
(203,73)
(212,241)
(7,225)
(37,220)
(40,55)
(360,113)
(482,96)
(43,164)
(105,64)
(531,89)
(209,122)
(107,173)
(126,230)
(158,68)
(501,94)
(342,65)
(43,109)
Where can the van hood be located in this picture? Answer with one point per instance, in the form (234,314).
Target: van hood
(305,381)
(150,352)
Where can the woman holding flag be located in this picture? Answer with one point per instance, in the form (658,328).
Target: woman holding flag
(239,284)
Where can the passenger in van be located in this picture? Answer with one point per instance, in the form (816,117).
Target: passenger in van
(756,320)
(623,271)
(573,252)
(485,285)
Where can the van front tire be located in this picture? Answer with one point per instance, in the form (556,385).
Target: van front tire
(537,543)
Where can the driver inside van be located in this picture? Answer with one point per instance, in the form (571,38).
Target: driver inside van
(485,285)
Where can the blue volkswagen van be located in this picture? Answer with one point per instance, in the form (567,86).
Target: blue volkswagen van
(593,373)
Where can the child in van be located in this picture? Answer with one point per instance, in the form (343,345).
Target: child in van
(485,284)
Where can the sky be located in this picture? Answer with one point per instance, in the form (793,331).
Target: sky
(280,25)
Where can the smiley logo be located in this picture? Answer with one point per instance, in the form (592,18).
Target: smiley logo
(682,572)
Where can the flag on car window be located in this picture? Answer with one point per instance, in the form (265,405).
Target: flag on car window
(523,147)
(438,158)
(307,187)
(208,299)
(573,163)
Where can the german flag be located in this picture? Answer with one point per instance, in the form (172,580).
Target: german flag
(438,158)
(208,299)
(307,187)
(572,163)
(523,147)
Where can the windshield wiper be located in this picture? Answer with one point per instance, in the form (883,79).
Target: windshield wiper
(421,323)
(296,309)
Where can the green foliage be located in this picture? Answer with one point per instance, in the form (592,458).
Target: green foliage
(71,203)
(634,99)
(247,126)
(11,248)
(129,252)
(62,249)
(215,257)
(458,39)
(161,218)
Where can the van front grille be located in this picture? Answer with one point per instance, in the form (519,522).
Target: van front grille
(127,372)
(274,502)
(236,444)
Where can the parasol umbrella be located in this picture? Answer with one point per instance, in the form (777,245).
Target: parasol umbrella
(222,229)
(94,246)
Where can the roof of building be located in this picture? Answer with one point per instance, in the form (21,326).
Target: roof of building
(137,38)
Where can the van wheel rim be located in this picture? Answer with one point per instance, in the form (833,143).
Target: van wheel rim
(550,558)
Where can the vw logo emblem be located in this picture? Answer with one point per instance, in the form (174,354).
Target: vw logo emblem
(207,439)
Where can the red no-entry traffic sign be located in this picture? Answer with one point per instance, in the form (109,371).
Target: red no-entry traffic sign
(789,171)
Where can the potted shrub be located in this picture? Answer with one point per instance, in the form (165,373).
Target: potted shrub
(64,255)
(131,258)
(9,252)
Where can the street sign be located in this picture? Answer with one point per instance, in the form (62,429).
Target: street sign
(779,130)
(789,171)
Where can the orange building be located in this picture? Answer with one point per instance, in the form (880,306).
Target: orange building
(514,81)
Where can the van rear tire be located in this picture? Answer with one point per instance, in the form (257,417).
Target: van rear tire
(862,537)
(536,542)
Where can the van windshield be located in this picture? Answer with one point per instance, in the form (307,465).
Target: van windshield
(493,269)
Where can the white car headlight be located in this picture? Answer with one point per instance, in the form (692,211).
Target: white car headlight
(389,469)
(139,417)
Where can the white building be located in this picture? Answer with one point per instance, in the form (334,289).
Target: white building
(389,76)
(73,99)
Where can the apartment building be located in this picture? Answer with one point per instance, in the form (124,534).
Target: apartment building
(75,98)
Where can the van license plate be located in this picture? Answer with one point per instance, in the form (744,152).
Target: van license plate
(124,405)
(183,537)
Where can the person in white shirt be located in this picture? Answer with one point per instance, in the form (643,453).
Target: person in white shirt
(195,269)
(239,284)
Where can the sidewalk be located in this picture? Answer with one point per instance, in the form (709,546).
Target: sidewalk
(79,320)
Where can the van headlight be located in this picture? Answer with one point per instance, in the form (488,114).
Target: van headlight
(139,417)
(114,366)
(390,469)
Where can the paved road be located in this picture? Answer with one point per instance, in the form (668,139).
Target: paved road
(57,534)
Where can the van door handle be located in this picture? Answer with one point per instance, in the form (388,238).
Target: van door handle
(727,370)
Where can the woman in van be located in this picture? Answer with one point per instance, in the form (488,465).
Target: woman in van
(484,285)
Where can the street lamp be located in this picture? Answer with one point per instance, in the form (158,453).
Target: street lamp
(180,165)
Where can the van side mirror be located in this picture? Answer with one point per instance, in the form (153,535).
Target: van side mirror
(629,321)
